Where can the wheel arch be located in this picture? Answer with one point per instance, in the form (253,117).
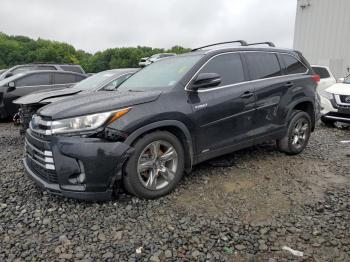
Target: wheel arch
(305,105)
(175,127)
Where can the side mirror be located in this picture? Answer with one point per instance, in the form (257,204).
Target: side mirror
(12,86)
(206,80)
(341,80)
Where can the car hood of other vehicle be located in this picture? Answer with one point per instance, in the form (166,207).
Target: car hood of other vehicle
(339,89)
(40,96)
(103,101)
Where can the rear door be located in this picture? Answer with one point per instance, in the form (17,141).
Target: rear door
(266,74)
(223,114)
(25,85)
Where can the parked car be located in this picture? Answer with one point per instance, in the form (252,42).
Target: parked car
(27,82)
(107,80)
(154,58)
(143,61)
(335,102)
(169,116)
(326,78)
(36,67)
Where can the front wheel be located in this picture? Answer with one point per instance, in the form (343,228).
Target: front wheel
(156,166)
(298,134)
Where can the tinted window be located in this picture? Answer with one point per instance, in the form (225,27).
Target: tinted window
(69,68)
(322,72)
(34,80)
(228,66)
(64,78)
(263,65)
(293,65)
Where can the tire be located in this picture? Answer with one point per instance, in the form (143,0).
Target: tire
(150,161)
(298,134)
(328,122)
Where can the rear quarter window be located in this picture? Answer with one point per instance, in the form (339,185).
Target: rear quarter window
(263,65)
(293,65)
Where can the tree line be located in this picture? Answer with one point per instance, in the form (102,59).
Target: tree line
(16,50)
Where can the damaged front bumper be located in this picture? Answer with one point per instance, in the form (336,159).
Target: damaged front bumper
(75,167)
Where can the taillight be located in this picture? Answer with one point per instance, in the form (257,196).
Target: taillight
(316,78)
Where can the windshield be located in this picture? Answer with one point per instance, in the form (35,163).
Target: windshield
(94,81)
(163,74)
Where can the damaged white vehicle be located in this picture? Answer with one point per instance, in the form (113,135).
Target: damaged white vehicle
(335,103)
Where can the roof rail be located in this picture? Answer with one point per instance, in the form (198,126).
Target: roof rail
(263,43)
(242,42)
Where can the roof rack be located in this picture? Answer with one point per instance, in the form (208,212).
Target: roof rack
(263,43)
(242,42)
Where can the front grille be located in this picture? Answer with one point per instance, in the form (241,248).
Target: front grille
(41,162)
(47,175)
(345,99)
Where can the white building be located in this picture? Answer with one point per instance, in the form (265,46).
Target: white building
(322,33)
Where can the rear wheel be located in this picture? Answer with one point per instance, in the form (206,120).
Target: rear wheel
(298,134)
(156,166)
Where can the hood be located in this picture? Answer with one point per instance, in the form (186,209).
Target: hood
(91,103)
(339,89)
(38,97)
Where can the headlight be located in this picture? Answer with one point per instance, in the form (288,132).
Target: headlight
(326,94)
(86,123)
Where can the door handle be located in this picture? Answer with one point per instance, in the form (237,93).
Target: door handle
(247,94)
(289,84)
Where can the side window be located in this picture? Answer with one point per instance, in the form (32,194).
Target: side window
(322,72)
(64,78)
(293,65)
(22,69)
(72,68)
(228,66)
(115,83)
(34,80)
(263,65)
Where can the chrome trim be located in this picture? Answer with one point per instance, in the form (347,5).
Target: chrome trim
(45,156)
(339,102)
(46,166)
(249,81)
(337,118)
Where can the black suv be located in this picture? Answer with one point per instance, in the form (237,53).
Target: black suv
(169,116)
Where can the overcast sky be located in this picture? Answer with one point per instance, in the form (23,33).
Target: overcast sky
(94,25)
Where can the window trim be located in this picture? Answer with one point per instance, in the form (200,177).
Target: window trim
(243,62)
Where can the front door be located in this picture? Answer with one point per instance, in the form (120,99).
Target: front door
(223,114)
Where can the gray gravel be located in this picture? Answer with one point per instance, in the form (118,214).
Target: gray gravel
(243,207)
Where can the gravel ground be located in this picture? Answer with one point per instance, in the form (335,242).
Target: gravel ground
(241,207)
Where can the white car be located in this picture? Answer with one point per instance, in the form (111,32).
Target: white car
(147,61)
(335,103)
(326,78)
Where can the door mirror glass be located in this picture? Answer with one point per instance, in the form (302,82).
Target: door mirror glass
(206,80)
(12,86)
